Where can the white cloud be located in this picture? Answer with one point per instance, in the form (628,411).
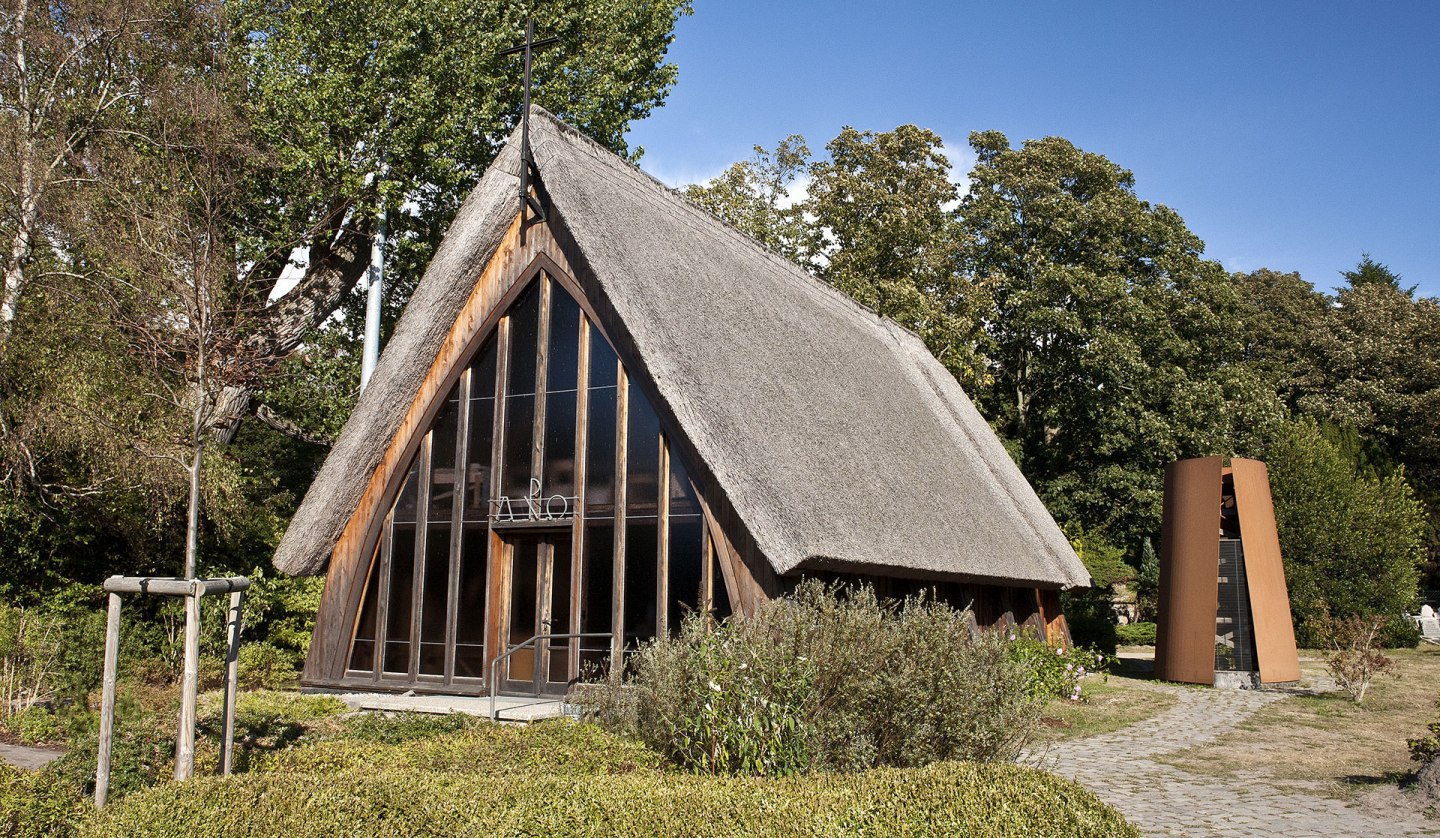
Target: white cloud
(799,190)
(962,160)
(678,177)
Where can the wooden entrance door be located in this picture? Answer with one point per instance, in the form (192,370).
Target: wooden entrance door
(538,602)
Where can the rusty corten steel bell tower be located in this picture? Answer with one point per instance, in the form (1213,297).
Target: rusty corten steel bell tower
(1224,613)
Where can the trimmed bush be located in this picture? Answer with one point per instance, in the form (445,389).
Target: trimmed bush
(942,799)
(38,804)
(825,680)
(1136,634)
(553,747)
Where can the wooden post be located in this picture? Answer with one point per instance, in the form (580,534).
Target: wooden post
(107,702)
(185,738)
(232,674)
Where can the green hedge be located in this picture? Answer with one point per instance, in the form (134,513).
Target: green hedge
(38,803)
(1136,634)
(941,799)
(556,747)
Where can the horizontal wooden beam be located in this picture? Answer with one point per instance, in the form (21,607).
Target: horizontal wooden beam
(174,585)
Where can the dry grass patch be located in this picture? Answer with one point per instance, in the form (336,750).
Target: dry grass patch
(1325,741)
(1109,705)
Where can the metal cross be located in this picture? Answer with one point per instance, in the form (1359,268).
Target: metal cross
(527,160)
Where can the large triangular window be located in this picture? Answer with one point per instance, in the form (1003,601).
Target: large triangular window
(544,499)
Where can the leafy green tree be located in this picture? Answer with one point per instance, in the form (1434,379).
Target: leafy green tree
(369,106)
(1108,337)
(1370,272)
(1147,581)
(1286,329)
(883,203)
(755,197)
(1352,544)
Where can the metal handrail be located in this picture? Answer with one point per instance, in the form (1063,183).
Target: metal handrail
(494,664)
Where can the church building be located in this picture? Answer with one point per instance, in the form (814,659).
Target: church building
(610,410)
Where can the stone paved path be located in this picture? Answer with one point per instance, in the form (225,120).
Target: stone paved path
(1163,800)
(28,758)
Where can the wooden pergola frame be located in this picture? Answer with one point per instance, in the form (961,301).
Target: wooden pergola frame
(191,590)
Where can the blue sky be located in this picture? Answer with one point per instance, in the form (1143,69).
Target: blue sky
(1288,135)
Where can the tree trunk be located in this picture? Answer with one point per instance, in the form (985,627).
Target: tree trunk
(28,199)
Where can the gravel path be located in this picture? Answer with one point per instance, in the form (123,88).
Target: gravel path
(1163,800)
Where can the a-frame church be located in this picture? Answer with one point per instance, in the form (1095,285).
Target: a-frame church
(626,412)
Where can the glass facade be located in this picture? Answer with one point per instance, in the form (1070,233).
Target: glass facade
(544,498)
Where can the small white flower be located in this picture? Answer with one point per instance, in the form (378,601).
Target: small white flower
(714,686)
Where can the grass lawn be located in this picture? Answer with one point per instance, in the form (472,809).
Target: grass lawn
(1324,741)
(1110,704)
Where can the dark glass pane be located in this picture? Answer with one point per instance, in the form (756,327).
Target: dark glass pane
(470,611)
(560,609)
(363,656)
(642,469)
(443,448)
(564,350)
(686,571)
(642,554)
(600,454)
(596,604)
(524,341)
(482,371)
(719,594)
(682,494)
(604,365)
(523,570)
(482,434)
(402,581)
(434,601)
(519,444)
(409,493)
(559,477)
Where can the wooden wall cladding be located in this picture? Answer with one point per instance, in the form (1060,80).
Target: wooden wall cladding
(1275,650)
(1189,568)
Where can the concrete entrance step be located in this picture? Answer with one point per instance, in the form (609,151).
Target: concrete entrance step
(509,708)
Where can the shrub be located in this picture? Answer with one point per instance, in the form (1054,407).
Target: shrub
(1353,654)
(943,799)
(552,747)
(821,680)
(1136,634)
(1091,619)
(140,757)
(1055,672)
(37,726)
(1353,544)
(38,804)
(263,666)
(1426,749)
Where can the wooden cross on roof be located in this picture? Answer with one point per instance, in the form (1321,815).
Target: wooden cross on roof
(527,160)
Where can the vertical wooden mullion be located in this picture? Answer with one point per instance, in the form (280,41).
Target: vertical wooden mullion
(577,527)
(422,537)
(662,547)
(494,553)
(707,573)
(457,523)
(622,422)
(382,613)
(542,377)
(544,592)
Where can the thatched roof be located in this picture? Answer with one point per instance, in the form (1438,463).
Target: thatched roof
(838,440)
